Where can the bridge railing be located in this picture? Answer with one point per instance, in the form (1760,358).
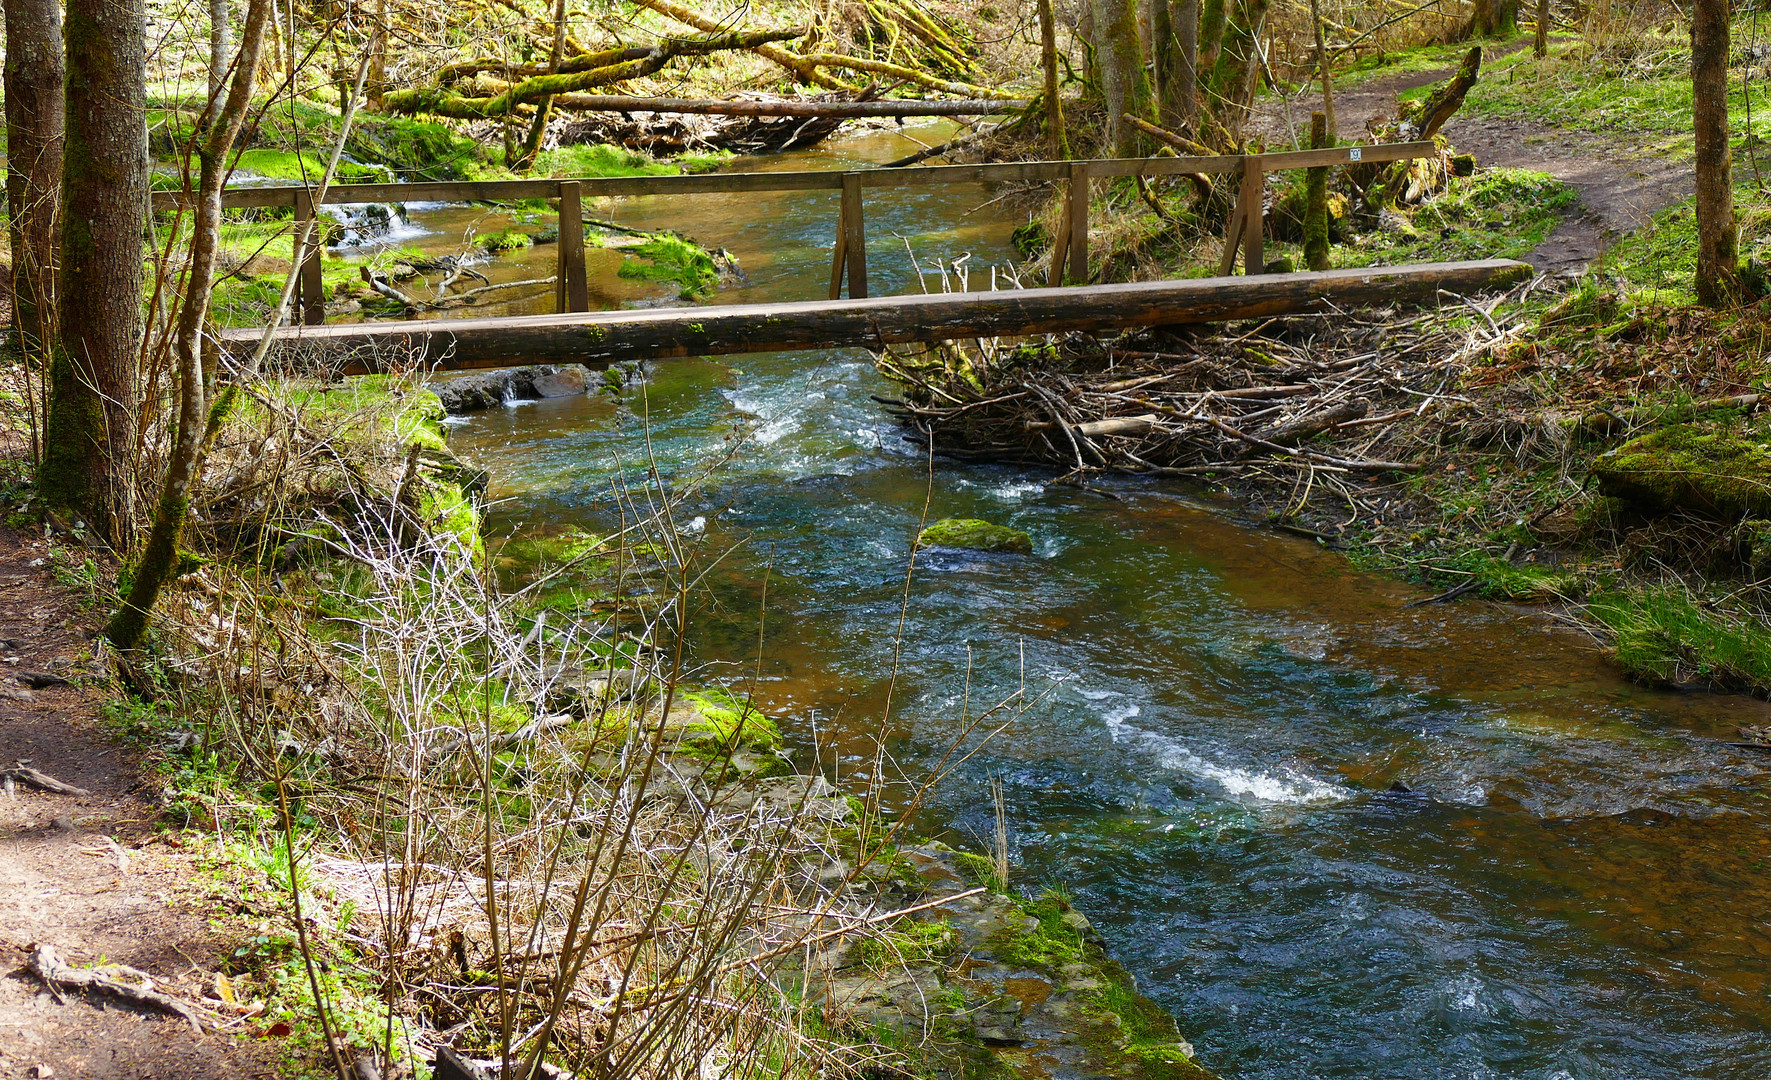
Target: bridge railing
(1243,236)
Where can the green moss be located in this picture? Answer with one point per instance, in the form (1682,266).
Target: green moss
(979,871)
(291,165)
(1056,941)
(976,535)
(1720,469)
(508,240)
(729,721)
(910,942)
(666,257)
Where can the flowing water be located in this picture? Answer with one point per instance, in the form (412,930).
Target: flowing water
(1574,885)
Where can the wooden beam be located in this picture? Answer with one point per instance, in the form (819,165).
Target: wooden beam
(1077,220)
(605,337)
(834,110)
(574,290)
(309,288)
(1060,248)
(854,235)
(604,186)
(1252,200)
(839,253)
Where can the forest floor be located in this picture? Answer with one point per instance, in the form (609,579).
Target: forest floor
(91,875)
(1620,186)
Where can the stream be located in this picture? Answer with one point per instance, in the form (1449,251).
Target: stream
(1569,880)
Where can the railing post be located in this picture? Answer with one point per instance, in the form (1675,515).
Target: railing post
(1060,248)
(573,290)
(839,254)
(310,300)
(1254,220)
(1079,222)
(854,230)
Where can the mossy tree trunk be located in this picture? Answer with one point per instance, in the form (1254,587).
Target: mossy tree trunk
(1054,108)
(544,108)
(448,101)
(1239,64)
(184,466)
(1493,18)
(33,164)
(1718,234)
(1316,200)
(89,435)
(1325,69)
(1123,80)
(1541,46)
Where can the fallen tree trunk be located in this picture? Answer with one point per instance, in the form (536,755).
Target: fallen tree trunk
(606,337)
(446,101)
(835,110)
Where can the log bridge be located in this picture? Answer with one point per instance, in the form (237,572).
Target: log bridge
(577,335)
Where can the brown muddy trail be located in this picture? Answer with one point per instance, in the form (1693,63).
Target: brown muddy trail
(88,874)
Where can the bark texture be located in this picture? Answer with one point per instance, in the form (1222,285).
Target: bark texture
(33,163)
(1186,81)
(1054,108)
(1718,234)
(89,437)
(159,558)
(1123,80)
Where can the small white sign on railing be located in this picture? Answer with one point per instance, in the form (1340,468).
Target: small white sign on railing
(1354,154)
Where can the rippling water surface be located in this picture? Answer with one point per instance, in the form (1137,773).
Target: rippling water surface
(1574,884)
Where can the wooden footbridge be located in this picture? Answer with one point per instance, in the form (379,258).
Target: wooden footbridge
(577,335)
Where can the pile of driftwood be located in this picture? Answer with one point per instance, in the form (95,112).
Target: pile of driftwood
(1334,394)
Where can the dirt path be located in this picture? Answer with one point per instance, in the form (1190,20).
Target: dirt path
(1619,189)
(87,874)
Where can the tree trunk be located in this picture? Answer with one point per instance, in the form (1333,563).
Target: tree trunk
(1123,82)
(1186,24)
(185,465)
(1164,63)
(89,437)
(1316,200)
(1541,46)
(1054,109)
(1718,235)
(33,164)
(377,84)
(1324,67)
(1237,71)
(218,52)
(544,108)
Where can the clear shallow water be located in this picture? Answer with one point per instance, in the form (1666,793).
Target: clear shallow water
(1576,887)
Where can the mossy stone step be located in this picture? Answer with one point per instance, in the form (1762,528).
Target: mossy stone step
(1720,469)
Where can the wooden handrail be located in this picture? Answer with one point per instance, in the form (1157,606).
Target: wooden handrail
(819,180)
(1069,257)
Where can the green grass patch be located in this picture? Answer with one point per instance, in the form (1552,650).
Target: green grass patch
(1666,637)
(599,159)
(1496,214)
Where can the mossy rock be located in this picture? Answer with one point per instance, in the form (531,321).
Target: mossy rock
(975,535)
(1720,470)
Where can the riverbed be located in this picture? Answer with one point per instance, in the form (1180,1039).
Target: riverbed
(1337,837)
